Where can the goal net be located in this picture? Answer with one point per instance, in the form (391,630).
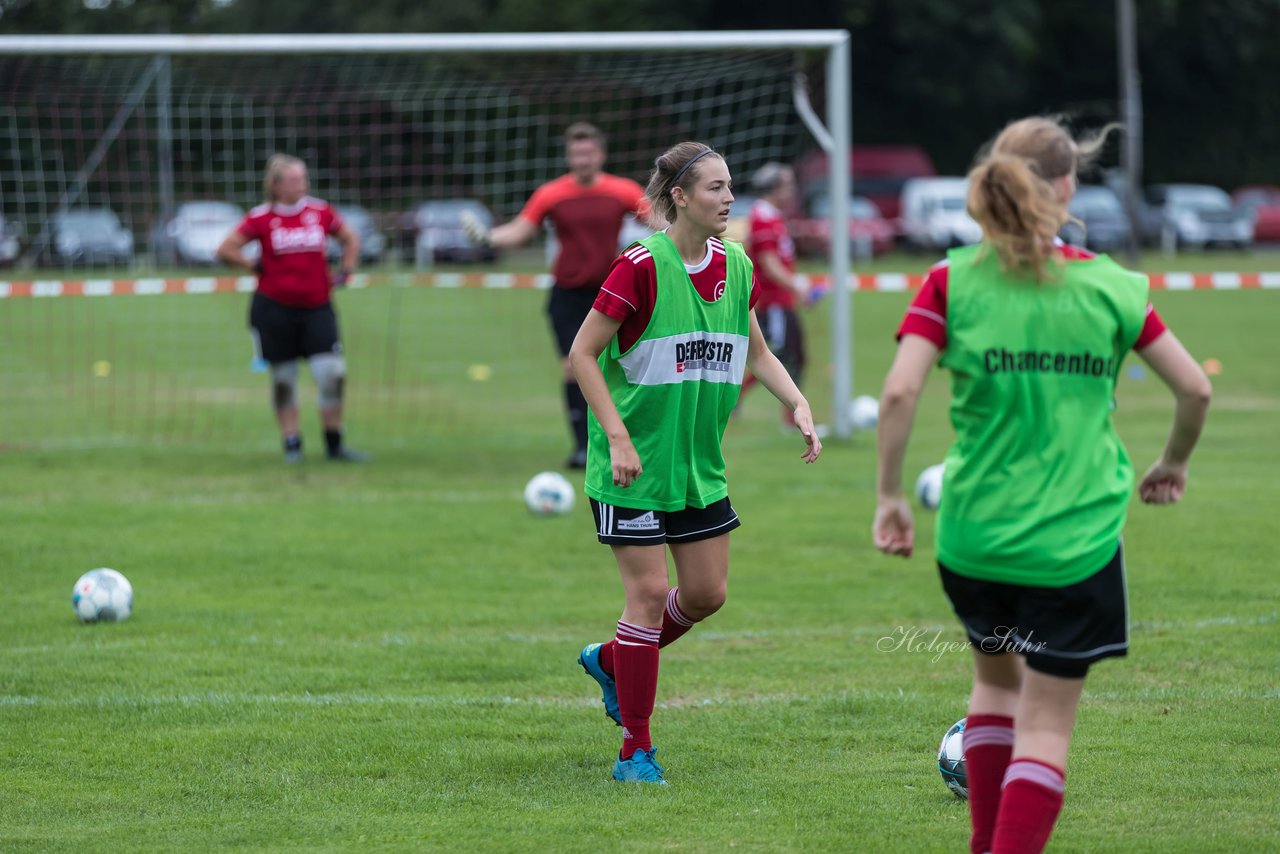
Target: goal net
(123,170)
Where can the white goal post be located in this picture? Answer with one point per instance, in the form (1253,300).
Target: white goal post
(77,176)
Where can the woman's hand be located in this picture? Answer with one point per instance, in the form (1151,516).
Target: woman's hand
(1163,483)
(804,422)
(894,530)
(625,461)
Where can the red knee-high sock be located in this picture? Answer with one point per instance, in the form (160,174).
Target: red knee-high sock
(988,744)
(674,621)
(674,624)
(636,661)
(1029,805)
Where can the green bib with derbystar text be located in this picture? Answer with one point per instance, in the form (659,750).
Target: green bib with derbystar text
(676,387)
(1037,484)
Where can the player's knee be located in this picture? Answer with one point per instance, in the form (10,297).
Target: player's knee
(284,385)
(700,603)
(648,602)
(330,372)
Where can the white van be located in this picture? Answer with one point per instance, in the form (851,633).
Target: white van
(935,214)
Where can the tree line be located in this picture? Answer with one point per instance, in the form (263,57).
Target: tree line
(944,74)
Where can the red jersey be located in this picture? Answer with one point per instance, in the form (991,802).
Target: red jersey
(294,268)
(632,285)
(588,221)
(766,232)
(927,314)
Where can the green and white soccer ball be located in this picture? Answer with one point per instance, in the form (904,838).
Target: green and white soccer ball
(102,595)
(549,494)
(929,487)
(951,760)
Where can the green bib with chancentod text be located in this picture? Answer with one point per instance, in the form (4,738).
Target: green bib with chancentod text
(1037,484)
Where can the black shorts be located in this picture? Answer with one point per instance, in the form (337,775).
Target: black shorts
(283,333)
(1058,630)
(567,308)
(783,334)
(622,526)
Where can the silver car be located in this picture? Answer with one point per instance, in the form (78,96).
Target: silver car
(438,234)
(88,236)
(1105,223)
(196,230)
(373,243)
(1194,215)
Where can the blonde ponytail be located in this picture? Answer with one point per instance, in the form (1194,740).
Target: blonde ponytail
(1019,212)
(1011,191)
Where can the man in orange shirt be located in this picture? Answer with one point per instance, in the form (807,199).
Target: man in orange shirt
(587,208)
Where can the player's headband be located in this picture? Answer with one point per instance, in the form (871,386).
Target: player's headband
(692,160)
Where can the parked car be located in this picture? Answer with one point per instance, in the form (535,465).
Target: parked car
(373,243)
(87,236)
(10,240)
(935,214)
(1105,223)
(1195,215)
(439,236)
(195,231)
(878,172)
(1262,204)
(869,232)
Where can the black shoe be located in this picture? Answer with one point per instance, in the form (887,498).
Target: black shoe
(349,455)
(577,460)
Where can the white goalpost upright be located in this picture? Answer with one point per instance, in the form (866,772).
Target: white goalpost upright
(140,124)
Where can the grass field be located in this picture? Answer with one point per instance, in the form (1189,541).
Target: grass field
(382,657)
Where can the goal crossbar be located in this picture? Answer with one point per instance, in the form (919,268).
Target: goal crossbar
(422,42)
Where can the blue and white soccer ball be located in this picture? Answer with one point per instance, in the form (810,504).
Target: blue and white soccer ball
(549,494)
(929,487)
(951,760)
(102,594)
(864,412)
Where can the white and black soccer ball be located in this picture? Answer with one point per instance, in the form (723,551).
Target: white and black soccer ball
(951,760)
(929,487)
(102,594)
(549,494)
(864,412)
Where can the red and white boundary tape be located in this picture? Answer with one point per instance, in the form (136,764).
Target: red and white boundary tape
(883,282)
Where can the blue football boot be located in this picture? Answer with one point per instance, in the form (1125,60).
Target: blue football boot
(640,768)
(590,661)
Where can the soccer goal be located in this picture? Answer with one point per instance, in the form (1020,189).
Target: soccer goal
(127,159)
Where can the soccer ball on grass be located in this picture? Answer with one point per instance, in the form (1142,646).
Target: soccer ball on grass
(549,494)
(102,594)
(951,760)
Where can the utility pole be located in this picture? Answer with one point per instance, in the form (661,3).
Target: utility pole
(1131,117)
